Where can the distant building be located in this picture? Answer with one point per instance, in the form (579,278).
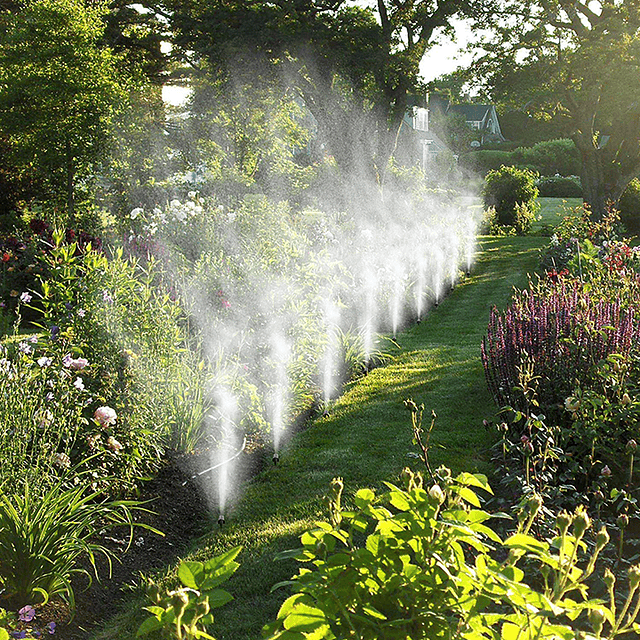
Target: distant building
(482,117)
(420,143)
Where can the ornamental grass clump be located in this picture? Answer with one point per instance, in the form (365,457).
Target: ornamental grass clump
(45,532)
(561,332)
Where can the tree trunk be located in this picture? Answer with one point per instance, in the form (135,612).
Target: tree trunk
(594,191)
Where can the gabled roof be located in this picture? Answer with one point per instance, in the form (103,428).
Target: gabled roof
(471,112)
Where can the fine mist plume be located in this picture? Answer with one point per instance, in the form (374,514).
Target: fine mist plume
(294,248)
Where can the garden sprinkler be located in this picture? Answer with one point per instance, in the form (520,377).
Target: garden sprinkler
(220,464)
(276,458)
(221,521)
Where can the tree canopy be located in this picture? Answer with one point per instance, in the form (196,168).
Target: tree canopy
(354,67)
(59,91)
(576,63)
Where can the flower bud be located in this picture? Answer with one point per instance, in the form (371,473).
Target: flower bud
(623,520)
(563,521)
(631,447)
(436,495)
(572,404)
(625,400)
(534,503)
(602,538)
(605,472)
(609,579)
(581,522)
(527,447)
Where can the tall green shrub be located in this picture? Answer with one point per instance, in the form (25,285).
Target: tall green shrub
(629,207)
(512,192)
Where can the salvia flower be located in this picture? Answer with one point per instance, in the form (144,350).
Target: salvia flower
(25,297)
(51,627)
(27,613)
(105,416)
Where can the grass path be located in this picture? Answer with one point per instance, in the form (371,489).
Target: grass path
(366,437)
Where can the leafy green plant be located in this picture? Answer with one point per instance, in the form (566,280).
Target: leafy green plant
(44,534)
(506,188)
(629,207)
(398,566)
(185,612)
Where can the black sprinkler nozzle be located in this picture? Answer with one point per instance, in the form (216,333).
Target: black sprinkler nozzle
(221,521)
(276,458)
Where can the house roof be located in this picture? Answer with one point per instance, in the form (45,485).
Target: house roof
(471,112)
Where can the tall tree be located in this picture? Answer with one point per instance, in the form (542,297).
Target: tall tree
(353,66)
(59,92)
(578,63)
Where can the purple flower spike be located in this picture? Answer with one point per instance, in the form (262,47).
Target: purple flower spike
(51,628)
(18,634)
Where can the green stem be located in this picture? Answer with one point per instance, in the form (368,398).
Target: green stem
(627,602)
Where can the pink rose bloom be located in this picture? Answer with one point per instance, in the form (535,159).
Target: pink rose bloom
(113,444)
(105,416)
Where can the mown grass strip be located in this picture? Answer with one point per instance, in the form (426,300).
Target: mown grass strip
(366,438)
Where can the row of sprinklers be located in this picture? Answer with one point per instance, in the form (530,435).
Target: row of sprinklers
(395,279)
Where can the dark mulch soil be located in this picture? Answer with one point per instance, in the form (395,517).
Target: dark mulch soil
(180,511)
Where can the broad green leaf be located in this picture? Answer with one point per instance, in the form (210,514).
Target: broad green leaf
(191,573)
(474,480)
(218,598)
(510,631)
(289,604)
(468,495)
(304,618)
(223,559)
(523,541)
(364,497)
(374,613)
(399,501)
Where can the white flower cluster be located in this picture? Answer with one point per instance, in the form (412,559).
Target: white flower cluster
(176,212)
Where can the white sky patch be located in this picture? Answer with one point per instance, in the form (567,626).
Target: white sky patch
(174,95)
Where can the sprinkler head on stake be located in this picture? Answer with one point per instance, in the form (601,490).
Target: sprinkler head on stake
(221,521)
(276,458)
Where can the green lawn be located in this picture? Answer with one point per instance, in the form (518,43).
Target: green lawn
(553,209)
(366,438)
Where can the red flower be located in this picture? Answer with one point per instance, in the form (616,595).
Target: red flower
(6,256)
